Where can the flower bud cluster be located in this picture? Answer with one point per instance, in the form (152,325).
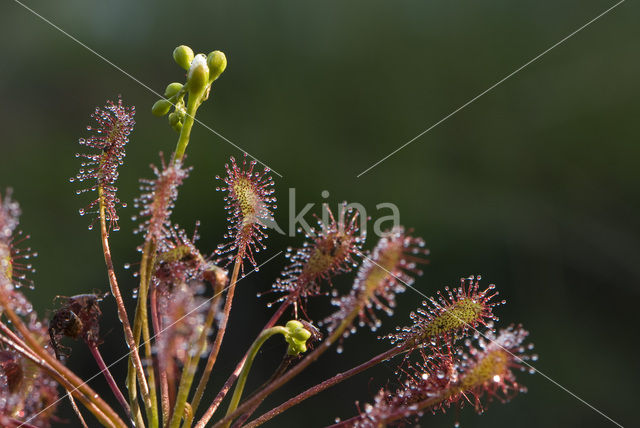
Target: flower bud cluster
(202,71)
(296,337)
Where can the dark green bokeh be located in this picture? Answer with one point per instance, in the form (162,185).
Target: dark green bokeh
(534,185)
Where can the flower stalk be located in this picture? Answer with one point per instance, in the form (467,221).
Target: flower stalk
(295,335)
(198,86)
(297,369)
(189,369)
(232,378)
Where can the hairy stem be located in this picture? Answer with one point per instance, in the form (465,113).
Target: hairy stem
(190,368)
(16,341)
(211,360)
(179,406)
(146,267)
(124,319)
(76,410)
(141,327)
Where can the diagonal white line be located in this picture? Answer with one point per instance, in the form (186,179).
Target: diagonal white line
(155,335)
(540,55)
(520,360)
(141,83)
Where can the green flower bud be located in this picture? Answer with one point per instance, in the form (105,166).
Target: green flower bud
(161,107)
(217,63)
(183,55)
(198,75)
(294,325)
(174,118)
(297,337)
(172,89)
(177,127)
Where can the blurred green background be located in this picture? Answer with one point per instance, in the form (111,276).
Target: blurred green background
(535,185)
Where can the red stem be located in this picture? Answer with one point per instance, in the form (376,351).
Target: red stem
(122,311)
(325,385)
(19,346)
(110,380)
(293,372)
(165,401)
(18,342)
(234,376)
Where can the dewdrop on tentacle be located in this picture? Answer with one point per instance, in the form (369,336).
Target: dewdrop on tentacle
(389,270)
(249,204)
(449,316)
(11,373)
(178,260)
(419,381)
(114,124)
(328,251)
(13,259)
(158,197)
(485,372)
(487,366)
(27,392)
(9,216)
(182,311)
(16,264)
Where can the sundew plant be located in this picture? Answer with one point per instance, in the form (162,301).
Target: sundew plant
(449,352)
